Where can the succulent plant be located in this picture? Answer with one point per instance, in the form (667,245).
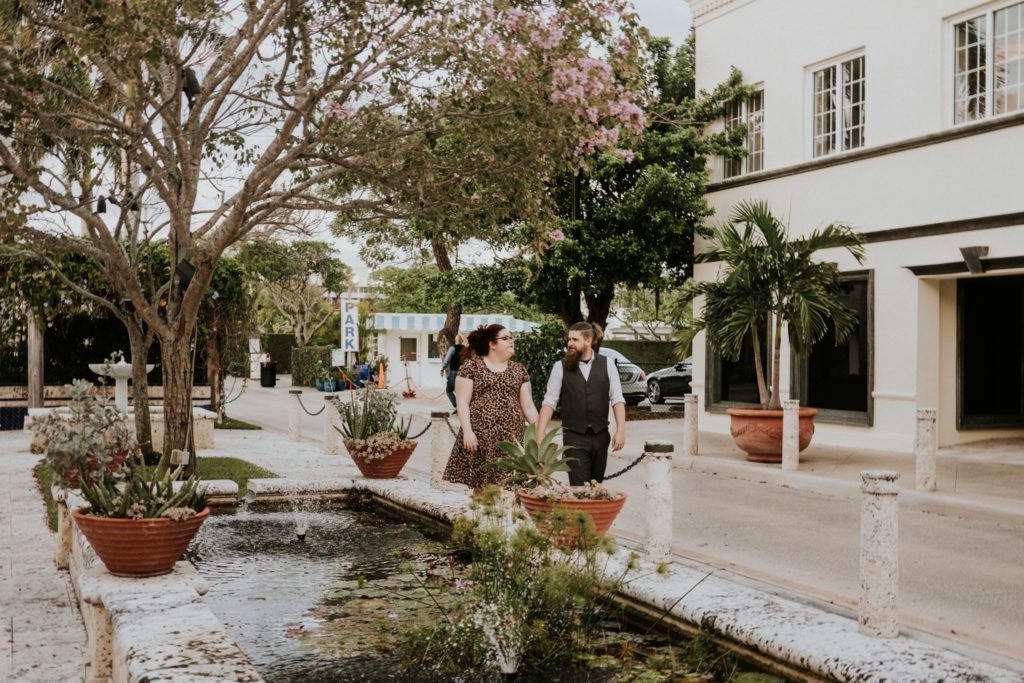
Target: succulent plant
(530,463)
(143,492)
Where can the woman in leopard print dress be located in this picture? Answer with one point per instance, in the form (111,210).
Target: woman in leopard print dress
(494,403)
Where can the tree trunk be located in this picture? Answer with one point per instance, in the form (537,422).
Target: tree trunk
(213,368)
(176,358)
(762,387)
(34,332)
(600,305)
(776,402)
(569,308)
(139,346)
(453,316)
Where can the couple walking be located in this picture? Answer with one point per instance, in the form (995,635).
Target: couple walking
(494,402)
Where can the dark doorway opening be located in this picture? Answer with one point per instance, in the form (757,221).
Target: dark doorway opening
(990,358)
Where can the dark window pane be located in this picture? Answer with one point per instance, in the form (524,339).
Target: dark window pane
(432,350)
(837,376)
(992,334)
(407,348)
(737,380)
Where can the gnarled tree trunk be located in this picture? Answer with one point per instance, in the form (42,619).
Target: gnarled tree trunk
(139,343)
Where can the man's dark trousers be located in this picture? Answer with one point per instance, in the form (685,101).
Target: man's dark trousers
(587,455)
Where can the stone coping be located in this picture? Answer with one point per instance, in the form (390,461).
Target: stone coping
(799,636)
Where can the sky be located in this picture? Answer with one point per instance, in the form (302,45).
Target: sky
(663,18)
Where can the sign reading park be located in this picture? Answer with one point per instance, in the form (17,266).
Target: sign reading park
(349,326)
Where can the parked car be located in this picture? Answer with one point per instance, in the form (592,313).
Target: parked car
(632,377)
(673,382)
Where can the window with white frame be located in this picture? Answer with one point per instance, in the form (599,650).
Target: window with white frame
(750,113)
(838,91)
(988,58)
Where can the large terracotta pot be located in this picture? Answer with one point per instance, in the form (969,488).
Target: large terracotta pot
(759,432)
(387,468)
(139,547)
(601,512)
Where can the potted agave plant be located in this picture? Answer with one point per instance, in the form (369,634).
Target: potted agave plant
(90,436)
(136,521)
(376,438)
(532,465)
(770,280)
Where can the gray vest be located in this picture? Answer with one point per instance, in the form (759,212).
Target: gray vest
(584,402)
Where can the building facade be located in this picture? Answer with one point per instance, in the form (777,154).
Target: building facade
(904,120)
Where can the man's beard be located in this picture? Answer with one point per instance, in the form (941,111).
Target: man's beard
(572,359)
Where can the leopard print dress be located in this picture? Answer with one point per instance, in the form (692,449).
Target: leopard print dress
(495,415)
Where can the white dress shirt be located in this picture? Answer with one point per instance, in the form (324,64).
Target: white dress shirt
(554,389)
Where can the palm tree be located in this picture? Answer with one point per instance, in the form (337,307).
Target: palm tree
(767,280)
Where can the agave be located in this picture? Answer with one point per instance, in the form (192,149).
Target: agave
(144,493)
(530,463)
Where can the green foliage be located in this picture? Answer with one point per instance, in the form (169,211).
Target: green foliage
(279,346)
(237,470)
(233,423)
(766,276)
(530,463)
(306,362)
(142,492)
(649,355)
(300,261)
(83,441)
(539,350)
(523,604)
(44,480)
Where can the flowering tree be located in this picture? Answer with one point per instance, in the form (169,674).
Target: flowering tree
(205,121)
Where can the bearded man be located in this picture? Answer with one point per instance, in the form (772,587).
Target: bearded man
(584,384)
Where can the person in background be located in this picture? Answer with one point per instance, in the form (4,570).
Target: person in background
(452,361)
(584,384)
(494,403)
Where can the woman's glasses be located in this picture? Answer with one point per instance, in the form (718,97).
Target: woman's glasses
(509,337)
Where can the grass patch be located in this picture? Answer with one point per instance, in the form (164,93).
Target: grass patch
(44,480)
(233,423)
(237,470)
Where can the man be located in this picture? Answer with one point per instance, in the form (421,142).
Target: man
(452,361)
(585,383)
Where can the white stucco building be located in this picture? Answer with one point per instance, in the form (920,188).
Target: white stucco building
(906,121)
(412,338)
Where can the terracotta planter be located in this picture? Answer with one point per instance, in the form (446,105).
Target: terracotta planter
(759,432)
(387,468)
(138,547)
(601,512)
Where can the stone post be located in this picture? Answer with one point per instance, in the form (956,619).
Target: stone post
(441,442)
(879,554)
(62,554)
(658,491)
(690,433)
(295,416)
(925,444)
(330,421)
(790,435)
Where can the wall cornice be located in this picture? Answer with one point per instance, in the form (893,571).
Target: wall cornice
(700,9)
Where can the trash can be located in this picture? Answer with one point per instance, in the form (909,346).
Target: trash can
(268,374)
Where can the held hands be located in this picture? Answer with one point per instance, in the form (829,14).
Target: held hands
(469,441)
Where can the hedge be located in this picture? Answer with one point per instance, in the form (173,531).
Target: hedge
(305,361)
(280,346)
(538,350)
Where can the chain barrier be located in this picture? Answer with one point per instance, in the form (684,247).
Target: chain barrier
(628,467)
(424,431)
(299,396)
(450,428)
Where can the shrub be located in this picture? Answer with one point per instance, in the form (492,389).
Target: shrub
(538,350)
(305,363)
(280,346)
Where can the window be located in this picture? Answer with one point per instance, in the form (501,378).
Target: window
(838,106)
(751,114)
(432,350)
(988,57)
(836,379)
(407,348)
(735,382)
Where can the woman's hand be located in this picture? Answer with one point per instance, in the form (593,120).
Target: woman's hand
(469,441)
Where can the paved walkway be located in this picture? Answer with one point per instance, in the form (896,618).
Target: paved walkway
(797,534)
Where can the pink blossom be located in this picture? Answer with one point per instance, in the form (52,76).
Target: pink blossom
(626,154)
(488,13)
(514,19)
(491,41)
(338,110)
(547,38)
(433,104)
(556,235)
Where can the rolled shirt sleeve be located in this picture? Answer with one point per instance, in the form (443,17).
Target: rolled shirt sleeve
(554,390)
(614,383)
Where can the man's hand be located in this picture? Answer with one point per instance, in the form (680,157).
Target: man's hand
(618,440)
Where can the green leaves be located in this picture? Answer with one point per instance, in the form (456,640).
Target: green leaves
(531,463)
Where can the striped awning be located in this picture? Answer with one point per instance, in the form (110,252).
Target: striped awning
(432,322)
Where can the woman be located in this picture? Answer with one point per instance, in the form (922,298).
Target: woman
(493,401)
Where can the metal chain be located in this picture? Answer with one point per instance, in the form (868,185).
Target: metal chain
(628,467)
(299,396)
(424,431)
(450,428)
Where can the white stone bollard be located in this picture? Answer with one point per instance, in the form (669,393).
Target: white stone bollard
(925,445)
(658,545)
(295,416)
(791,435)
(441,443)
(690,433)
(879,554)
(330,422)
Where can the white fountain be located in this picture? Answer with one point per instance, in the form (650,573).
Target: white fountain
(121,372)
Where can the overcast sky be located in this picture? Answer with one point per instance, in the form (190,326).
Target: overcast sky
(663,18)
